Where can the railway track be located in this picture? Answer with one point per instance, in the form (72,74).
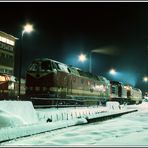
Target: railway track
(26,131)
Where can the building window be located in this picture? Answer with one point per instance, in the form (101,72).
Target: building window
(5,40)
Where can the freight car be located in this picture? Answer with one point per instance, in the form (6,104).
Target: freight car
(52,82)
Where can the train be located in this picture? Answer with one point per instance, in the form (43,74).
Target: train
(125,93)
(55,83)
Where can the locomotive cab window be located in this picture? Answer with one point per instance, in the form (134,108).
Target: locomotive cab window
(46,65)
(56,66)
(73,71)
(34,67)
(63,68)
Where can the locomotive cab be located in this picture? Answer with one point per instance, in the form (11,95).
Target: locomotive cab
(118,92)
(46,78)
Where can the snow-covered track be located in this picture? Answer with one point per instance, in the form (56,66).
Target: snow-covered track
(28,130)
(10,133)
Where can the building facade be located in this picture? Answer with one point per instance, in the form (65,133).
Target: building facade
(7,54)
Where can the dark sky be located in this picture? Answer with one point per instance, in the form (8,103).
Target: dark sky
(64,30)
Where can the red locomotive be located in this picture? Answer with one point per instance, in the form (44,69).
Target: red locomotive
(49,81)
(125,93)
(60,83)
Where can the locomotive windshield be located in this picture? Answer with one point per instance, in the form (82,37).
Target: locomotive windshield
(46,65)
(40,66)
(34,67)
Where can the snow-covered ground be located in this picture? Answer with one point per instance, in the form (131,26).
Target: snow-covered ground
(127,130)
(19,118)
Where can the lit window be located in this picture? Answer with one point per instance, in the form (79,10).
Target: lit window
(2,78)
(11,43)
(3,39)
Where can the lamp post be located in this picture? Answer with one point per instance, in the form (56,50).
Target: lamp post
(82,58)
(28,28)
(90,58)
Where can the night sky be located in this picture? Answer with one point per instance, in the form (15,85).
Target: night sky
(64,30)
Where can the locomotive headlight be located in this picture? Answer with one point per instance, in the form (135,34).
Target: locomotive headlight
(125,87)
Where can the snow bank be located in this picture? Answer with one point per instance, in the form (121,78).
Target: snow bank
(57,114)
(113,105)
(143,106)
(12,133)
(14,113)
(7,119)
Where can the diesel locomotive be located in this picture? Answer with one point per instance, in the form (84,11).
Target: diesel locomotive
(125,93)
(52,82)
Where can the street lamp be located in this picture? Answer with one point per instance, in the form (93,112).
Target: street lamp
(82,57)
(106,51)
(28,28)
(90,58)
(112,71)
(145,79)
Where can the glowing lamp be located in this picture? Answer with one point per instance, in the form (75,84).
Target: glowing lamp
(112,72)
(82,57)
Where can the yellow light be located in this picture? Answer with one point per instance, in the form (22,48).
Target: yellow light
(112,71)
(145,79)
(4,78)
(28,28)
(128,87)
(82,57)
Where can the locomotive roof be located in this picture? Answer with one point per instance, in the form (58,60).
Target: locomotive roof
(136,89)
(128,85)
(47,59)
(116,82)
(101,78)
(75,70)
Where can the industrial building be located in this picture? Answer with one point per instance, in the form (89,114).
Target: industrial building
(7,53)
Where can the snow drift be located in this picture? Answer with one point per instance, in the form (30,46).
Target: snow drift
(14,113)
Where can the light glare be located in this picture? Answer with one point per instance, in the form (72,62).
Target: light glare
(112,71)
(82,57)
(28,28)
(145,79)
